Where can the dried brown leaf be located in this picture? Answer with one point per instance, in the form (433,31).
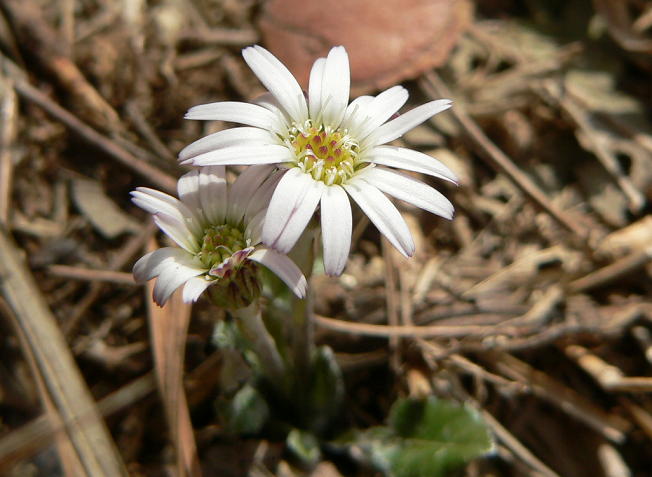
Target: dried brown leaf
(387,42)
(169,328)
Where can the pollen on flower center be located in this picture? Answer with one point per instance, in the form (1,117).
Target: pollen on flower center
(327,157)
(219,243)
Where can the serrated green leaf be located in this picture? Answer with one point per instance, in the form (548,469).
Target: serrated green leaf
(426,438)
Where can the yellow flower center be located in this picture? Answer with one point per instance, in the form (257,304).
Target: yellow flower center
(330,157)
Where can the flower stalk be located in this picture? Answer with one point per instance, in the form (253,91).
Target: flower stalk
(252,326)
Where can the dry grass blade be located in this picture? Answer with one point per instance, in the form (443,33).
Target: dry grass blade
(169,327)
(29,439)
(8,116)
(61,377)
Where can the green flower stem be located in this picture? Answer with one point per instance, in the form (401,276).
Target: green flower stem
(253,328)
(302,323)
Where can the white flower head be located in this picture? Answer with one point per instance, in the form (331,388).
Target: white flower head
(218,230)
(328,150)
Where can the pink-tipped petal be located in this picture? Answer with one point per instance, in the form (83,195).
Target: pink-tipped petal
(383,214)
(336,228)
(293,203)
(282,267)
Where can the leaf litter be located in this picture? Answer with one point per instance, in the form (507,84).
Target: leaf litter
(532,305)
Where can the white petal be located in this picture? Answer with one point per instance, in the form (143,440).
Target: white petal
(383,214)
(172,276)
(335,86)
(151,264)
(227,138)
(283,267)
(268,100)
(381,109)
(260,199)
(243,156)
(177,231)
(356,114)
(254,230)
(278,80)
(410,160)
(188,191)
(292,205)
(336,228)
(409,189)
(236,112)
(397,127)
(194,287)
(157,202)
(244,188)
(315,89)
(213,193)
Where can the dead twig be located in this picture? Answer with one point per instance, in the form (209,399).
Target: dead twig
(435,87)
(83,423)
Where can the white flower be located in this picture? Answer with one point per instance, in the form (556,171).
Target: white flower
(327,149)
(217,228)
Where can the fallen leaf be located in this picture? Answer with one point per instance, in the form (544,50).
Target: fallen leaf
(387,42)
(107,218)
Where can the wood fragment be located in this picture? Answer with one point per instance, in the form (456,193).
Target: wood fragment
(611,272)
(146,170)
(48,48)
(8,118)
(563,397)
(84,425)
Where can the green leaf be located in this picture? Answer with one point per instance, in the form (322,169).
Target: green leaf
(426,438)
(304,446)
(245,413)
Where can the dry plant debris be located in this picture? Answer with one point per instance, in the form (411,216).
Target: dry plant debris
(533,305)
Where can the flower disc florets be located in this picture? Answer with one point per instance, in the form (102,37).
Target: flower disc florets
(328,156)
(329,152)
(217,228)
(219,243)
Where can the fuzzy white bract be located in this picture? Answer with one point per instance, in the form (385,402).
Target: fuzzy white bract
(218,230)
(328,150)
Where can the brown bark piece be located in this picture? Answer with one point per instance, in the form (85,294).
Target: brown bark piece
(387,42)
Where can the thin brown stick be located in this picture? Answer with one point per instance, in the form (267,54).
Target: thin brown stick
(78,273)
(8,113)
(435,87)
(146,170)
(611,272)
(132,247)
(404,331)
(83,423)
